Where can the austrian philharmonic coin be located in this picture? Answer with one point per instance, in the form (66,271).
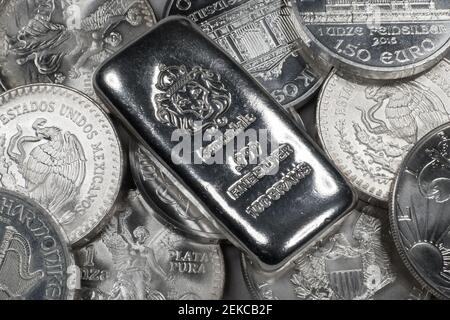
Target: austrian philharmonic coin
(59,148)
(420,221)
(375,39)
(357,261)
(137,258)
(35,263)
(63,41)
(160,188)
(261,35)
(367,129)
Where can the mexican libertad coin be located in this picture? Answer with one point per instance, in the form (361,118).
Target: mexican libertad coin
(356,261)
(59,148)
(368,129)
(137,258)
(376,38)
(63,41)
(35,263)
(419,211)
(159,187)
(261,35)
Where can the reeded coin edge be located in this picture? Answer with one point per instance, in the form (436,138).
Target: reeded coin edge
(90,226)
(314,47)
(392,216)
(249,281)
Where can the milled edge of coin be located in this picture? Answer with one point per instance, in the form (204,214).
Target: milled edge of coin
(81,234)
(251,285)
(392,216)
(199,236)
(298,103)
(72,293)
(362,195)
(313,47)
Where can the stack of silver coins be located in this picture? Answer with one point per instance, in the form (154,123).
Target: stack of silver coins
(86,212)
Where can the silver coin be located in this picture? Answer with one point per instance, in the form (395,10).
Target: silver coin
(35,263)
(376,39)
(59,148)
(356,261)
(160,188)
(137,258)
(367,129)
(63,41)
(419,211)
(261,35)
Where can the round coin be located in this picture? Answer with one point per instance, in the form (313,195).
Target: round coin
(59,148)
(64,41)
(35,263)
(261,35)
(367,129)
(357,261)
(161,189)
(419,211)
(376,39)
(137,258)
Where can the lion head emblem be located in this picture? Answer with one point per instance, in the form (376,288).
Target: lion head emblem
(191,100)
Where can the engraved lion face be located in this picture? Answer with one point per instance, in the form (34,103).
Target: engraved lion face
(191,100)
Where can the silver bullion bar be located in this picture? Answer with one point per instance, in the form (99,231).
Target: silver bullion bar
(375,39)
(261,35)
(419,202)
(356,261)
(272,196)
(367,128)
(137,258)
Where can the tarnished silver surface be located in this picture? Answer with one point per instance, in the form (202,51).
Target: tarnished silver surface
(35,263)
(419,211)
(375,39)
(159,187)
(356,261)
(58,147)
(63,41)
(262,36)
(137,258)
(367,129)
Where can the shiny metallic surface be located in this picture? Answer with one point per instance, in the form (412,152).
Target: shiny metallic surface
(163,191)
(419,211)
(271,215)
(59,148)
(35,262)
(262,36)
(137,258)
(63,41)
(367,128)
(357,261)
(375,39)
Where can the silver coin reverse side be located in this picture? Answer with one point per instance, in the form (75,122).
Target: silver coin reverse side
(356,261)
(35,262)
(59,148)
(137,258)
(64,41)
(367,129)
(419,211)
